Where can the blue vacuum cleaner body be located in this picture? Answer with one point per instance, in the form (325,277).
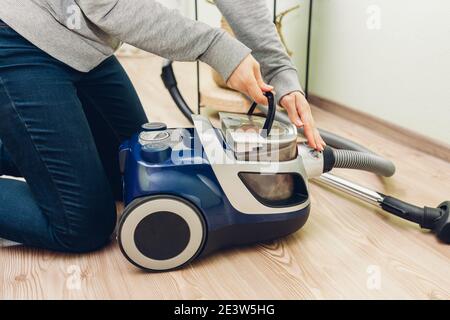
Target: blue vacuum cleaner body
(190,192)
(181,204)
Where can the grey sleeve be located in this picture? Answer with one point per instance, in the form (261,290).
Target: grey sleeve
(252,24)
(152,27)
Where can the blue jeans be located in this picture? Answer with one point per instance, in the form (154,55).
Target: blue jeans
(60,130)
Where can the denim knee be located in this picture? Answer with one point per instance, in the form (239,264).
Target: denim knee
(91,231)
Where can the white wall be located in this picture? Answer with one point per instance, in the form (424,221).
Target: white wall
(295,31)
(397,68)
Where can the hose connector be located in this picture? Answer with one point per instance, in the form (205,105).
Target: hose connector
(313,160)
(329,160)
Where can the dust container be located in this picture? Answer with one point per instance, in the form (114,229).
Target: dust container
(244,137)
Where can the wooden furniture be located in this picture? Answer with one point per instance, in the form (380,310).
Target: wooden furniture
(219,98)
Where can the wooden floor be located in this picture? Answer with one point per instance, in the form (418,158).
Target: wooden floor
(347,249)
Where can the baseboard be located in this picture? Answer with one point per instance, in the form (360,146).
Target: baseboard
(407,137)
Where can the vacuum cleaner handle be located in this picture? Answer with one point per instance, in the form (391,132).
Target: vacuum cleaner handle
(170,82)
(270,114)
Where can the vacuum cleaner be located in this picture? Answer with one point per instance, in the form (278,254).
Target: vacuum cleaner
(193,191)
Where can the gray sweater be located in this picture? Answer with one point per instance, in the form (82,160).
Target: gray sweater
(83,33)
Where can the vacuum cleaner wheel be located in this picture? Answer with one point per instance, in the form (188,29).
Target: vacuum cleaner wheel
(162,232)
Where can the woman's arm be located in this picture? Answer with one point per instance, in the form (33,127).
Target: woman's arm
(252,24)
(152,27)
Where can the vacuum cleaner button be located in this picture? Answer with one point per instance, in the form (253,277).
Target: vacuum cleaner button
(154,126)
(153,136)
(156,152)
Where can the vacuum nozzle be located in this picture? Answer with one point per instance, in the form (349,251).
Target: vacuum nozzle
(435,219)
(442,225)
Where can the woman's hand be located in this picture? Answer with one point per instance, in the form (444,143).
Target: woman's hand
(300,114)
(247,79)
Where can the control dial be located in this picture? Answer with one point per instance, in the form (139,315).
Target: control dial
(153,137)
(154,126)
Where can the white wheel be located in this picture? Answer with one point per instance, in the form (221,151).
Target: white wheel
(161,232)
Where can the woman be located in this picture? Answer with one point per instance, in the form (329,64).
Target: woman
(66,103)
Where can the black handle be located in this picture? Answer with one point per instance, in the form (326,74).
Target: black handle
(270,114)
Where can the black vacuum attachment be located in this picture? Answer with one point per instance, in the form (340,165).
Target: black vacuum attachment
(435,219)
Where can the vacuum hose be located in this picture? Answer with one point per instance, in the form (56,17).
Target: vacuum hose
(363,161)
(345,153)
(170,82)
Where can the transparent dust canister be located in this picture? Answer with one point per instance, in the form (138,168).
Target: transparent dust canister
(244,137)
